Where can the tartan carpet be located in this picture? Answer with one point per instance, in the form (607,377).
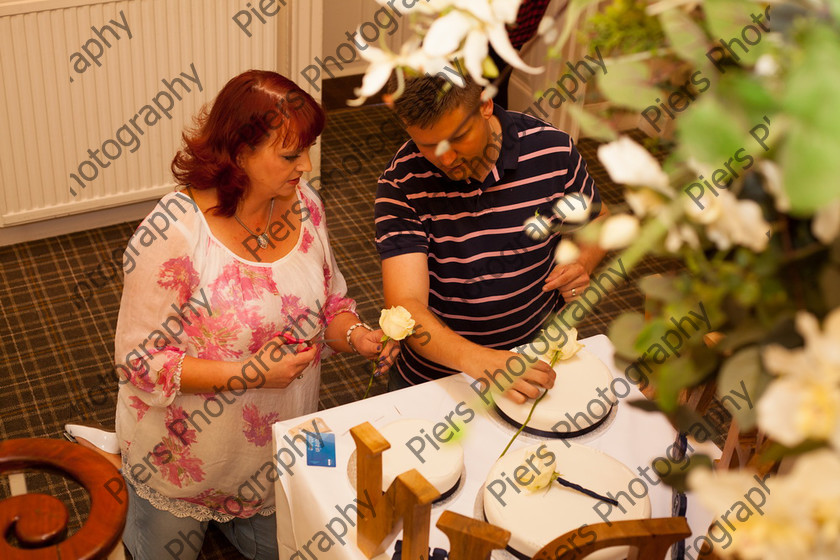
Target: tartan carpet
(59,299)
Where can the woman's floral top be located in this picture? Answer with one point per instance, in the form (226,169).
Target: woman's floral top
(209,456)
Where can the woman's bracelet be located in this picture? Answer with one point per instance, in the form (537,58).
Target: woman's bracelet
(350,331)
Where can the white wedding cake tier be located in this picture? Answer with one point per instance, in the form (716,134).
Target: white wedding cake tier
(441,464)
(536,517)
(579,401)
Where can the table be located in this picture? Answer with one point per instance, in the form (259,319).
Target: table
(316,506)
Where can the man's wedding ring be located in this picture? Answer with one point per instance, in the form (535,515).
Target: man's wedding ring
(574,292)
(300,376)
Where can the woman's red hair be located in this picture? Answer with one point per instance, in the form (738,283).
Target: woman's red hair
(246,112)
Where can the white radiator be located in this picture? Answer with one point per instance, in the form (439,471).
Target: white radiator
(79,98)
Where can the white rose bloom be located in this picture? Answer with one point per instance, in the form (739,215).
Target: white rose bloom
(536,227)
(644,202)
(566,253)
(560,347)
(681,234)
(573,208)
(766,66)
(542,478)
(628,163)
(396,322)
(740,223)
(704,210)
(618,231)
(826,224)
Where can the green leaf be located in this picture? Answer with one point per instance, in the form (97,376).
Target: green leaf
(711,132)
(623,331)
(646,405)
(809,156)
(810,168)
(742,372)
(745,335)
(674,376)
(592,126)
(728,20)
(627,84)
(676,476)
(686,38)
(777,451)
(572,18)
(659,287)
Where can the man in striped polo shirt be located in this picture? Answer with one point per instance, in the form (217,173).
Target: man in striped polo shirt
(449,231)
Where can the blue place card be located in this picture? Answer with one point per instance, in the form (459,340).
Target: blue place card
(320,449)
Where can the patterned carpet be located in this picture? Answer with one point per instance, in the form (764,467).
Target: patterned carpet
(59,299)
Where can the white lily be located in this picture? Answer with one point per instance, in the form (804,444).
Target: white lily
(792,410)
(799,517)
(628,163)
(804,402)
(466,29)
(383,63)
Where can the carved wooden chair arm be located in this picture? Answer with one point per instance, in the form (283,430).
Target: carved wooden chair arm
(39,521)
(649,539)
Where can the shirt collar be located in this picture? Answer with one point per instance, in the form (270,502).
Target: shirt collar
(509,157)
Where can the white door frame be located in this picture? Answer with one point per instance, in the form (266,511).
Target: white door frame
(300,40)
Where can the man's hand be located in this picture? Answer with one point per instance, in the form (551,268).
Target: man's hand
(566,278)
(529,385)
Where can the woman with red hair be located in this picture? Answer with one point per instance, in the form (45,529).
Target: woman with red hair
(225,317)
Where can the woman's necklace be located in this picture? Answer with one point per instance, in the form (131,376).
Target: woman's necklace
(262,239)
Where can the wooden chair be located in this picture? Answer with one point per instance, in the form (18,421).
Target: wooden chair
(39,521)
(409,500)
(649,539)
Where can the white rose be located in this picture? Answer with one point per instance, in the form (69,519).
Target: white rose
(566,253)
(573,208)
(619,231)
(536,228)
(396,322)
(542,477)
(628,163)
(740,222)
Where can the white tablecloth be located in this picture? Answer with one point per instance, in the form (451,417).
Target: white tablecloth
(309,499)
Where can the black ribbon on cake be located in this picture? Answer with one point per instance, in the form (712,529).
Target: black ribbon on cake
(586,491)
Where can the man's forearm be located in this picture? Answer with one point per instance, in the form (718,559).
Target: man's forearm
(438,343)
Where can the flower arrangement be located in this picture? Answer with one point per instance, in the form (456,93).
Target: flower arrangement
(747,199)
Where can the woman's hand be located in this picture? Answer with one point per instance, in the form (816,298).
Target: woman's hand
(368,344)
(285,361)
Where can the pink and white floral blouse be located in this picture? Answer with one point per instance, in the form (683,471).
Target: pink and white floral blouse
(209,456)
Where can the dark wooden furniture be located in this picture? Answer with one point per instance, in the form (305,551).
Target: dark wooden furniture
(39,522)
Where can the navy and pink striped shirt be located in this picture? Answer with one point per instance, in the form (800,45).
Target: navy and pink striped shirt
(485,274)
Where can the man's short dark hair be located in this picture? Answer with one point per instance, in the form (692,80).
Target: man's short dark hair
(426,99)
